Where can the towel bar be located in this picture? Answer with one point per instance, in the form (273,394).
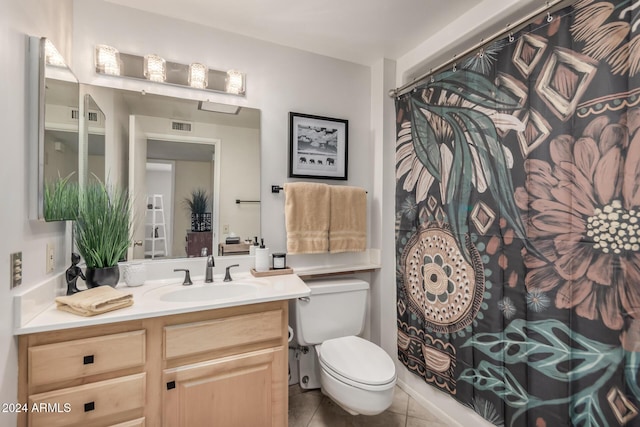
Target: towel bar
(276,189)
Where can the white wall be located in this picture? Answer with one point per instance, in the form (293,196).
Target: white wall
(279,80)
(17,20)
(482,21)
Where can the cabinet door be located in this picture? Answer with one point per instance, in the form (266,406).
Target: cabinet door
(236,391)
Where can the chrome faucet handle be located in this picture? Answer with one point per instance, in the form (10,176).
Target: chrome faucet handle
(227,276)
(187,276)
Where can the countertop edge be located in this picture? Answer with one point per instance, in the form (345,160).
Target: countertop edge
(35,324)
(52,319)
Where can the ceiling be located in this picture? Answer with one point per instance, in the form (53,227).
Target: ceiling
(359,31)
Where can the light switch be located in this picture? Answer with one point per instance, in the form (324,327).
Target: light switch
(51,258)
(15,266)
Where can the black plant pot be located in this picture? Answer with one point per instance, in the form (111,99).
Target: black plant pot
(102,276)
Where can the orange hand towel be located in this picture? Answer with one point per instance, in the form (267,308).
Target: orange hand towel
(94,301)
(348,224)
(306,210)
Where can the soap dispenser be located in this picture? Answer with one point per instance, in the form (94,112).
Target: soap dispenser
(253,246)
(262,257)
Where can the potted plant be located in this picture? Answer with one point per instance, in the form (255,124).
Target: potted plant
(198,205)
(102,232)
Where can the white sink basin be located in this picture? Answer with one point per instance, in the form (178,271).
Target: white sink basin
(209,292)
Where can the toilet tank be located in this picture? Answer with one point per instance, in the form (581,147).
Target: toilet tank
(336,308)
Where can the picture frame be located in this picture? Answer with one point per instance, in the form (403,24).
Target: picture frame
(318,147)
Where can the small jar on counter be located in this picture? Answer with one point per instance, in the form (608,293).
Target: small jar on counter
(279,261)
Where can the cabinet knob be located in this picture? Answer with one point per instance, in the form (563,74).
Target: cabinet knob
(87,360)
(89,406)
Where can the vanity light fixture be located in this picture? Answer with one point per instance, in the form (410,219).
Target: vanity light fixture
(198,75)
(152,67)
(155,68)
(52,56)
(107,60)
(235,82)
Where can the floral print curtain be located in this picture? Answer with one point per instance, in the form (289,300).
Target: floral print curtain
(518,223)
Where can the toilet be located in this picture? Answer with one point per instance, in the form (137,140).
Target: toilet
(355,373)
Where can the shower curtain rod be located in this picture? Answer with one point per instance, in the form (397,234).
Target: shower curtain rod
(550,7)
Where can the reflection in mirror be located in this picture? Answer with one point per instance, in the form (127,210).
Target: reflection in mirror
(178,147)
(94,135)
(55,105)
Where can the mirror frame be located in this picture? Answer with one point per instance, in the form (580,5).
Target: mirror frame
(36,128)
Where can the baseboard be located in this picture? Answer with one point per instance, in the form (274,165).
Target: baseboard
(430,406)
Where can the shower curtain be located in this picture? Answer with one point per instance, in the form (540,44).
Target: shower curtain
(518,223)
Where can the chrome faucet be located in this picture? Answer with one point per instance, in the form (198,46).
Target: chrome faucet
(208,277)
(227,276)
(187,278)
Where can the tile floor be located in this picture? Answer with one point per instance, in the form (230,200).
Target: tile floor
(313,409)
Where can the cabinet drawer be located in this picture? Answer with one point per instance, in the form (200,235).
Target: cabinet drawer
(80,358)
(88,403)
(198,337)
(133,423)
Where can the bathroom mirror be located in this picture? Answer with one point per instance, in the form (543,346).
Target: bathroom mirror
(53,103)
(164,149)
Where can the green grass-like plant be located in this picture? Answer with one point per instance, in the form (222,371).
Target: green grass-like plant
(102,226)
(61,199)
(199,201)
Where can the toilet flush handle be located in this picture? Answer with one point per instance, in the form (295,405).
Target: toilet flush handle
(305,299)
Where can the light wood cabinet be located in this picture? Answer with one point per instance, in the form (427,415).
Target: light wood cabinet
(243,390)
(224,367)
(88,403)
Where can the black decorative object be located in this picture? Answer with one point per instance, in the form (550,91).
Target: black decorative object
(73,273)
(201,221)
(103,276)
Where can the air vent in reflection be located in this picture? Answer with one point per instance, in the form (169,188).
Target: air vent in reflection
(75,114)
(181,126)
(93,116)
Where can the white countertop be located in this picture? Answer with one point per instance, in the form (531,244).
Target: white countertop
(153,300)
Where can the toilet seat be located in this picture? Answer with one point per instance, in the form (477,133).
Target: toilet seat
(357,362)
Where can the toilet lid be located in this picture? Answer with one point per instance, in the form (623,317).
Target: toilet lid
(358,360)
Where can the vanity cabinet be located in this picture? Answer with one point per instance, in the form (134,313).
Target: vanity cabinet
(242,390)
(224,367)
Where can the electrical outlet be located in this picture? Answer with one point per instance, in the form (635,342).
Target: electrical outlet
(51,258)
(15,269)
(225,229)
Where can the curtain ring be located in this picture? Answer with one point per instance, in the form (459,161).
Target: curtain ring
(549,17)
(511,38)
(454,67)
(432,79)
(481,53)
